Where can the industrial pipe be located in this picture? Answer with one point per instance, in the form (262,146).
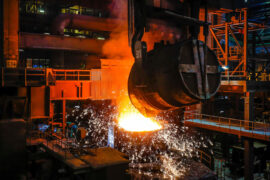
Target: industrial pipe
(11,29)
(1,33)
(85,22)
(43,41)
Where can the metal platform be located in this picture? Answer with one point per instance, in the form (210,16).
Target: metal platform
(90,160)
(242,86)
(255,130)
(35,77)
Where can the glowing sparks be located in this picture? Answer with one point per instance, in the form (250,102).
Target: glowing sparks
(170,148)
(134,121)
(131,119)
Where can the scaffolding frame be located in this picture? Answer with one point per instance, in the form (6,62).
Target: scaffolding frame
(237,54)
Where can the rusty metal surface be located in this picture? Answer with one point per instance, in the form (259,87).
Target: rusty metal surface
(174,76)
(204,65)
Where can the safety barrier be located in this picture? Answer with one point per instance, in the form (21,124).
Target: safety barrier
(22,77)
(205,158)
(51,141)
(241,127)
(40,77)
(66,75)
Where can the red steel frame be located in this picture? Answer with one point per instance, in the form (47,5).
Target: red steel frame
(236,53)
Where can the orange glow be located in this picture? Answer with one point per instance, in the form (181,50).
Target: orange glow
(131,119)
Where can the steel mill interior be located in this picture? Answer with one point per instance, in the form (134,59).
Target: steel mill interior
(134,89)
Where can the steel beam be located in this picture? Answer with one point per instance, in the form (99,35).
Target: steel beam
(226,47)
(216,39)
(234,37)
(186,19)
(248,143)
(248,159)
(237,67)
(245,51)
(64,117)
(42,41)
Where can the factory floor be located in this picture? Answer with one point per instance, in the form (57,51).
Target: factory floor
(89,163)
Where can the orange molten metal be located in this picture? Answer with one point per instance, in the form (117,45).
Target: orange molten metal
(131,119)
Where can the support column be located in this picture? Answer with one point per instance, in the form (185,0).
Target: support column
(11,30)
(28,102)
(64,117)
(226,47)
(249,109)
(245,41)
(1,34)
(249,159)
(51,115)
(248,143)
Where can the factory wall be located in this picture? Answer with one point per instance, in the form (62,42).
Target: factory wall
(105,83)
(39,102)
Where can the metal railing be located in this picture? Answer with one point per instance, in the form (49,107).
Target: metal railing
(57,144)
(39,77)
(23,77)
(235,53)
(205,158)
(240,75)
(218,53)
(72,75)
(52,141)
(256,128)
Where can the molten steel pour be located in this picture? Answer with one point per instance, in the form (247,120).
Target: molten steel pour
(130,119)
(134,121)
